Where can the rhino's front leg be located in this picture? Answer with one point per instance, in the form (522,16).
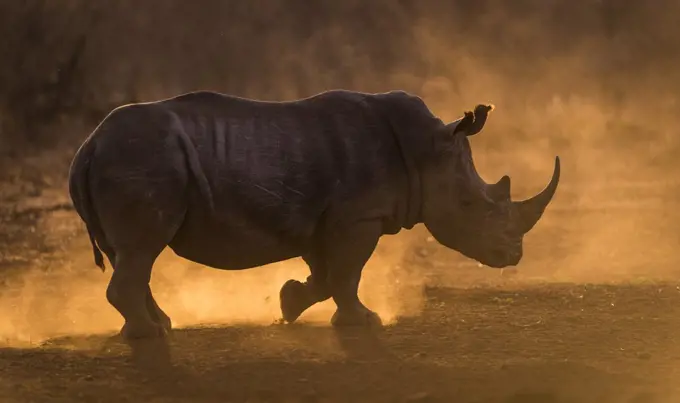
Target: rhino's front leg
(346,252)
(297,297)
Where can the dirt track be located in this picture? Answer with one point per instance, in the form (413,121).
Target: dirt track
(548,344)
(507,341)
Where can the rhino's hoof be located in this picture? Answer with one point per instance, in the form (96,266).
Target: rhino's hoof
(294,299)
(167,326)
(150,330)
(165,323)
(358,317)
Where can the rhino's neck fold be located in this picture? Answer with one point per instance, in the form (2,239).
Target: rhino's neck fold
(413,126)
(414,189)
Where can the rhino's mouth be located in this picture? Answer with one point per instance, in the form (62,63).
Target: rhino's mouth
(500,258)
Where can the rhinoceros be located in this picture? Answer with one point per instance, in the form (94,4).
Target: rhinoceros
(234,183)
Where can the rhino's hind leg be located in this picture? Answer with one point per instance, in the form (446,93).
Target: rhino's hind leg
(137,227)
(128,292)
(156,313)
(297,297)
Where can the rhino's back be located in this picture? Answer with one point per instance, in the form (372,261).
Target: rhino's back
(292,151)
(277,168)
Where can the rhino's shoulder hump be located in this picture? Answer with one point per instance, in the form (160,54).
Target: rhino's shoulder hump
(202,95)
(217,99)
(204,98)
(400,97)
(403,104)
(332,96)
(401,93)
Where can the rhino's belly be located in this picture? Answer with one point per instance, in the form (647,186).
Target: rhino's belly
(230,247)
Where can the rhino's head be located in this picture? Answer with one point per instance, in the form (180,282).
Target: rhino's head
(469,215)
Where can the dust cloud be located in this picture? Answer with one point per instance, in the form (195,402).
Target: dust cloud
(582,84)
(69,298)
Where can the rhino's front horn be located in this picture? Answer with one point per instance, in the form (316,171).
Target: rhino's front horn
(530,210)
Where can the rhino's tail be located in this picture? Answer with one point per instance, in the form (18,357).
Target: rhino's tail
(79,190)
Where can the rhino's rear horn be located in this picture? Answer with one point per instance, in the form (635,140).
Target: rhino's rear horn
(531,210)
(500,190)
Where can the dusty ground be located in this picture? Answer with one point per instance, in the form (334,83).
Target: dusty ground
(548,344)
(592,315)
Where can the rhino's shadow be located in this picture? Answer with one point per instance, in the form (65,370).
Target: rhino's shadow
(363,344)
(308,363)
(154,357)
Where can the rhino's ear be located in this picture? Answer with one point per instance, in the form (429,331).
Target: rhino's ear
(473,122)
(463,125)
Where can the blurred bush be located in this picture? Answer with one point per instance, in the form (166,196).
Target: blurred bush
(533,57)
